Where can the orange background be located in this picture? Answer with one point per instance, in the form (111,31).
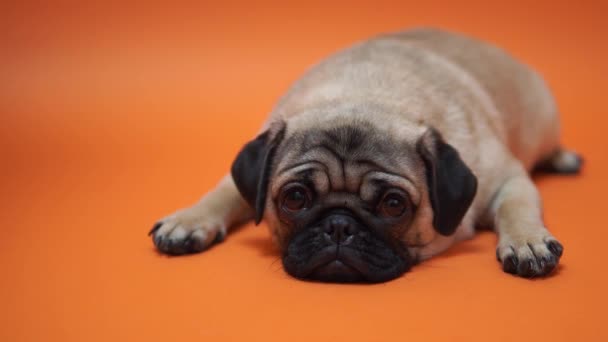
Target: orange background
(115,115)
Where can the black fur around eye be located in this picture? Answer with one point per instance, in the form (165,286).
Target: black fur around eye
(296,197)
(393,204)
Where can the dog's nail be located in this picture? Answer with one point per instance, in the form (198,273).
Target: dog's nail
(187,244)
(526,268)
(158,240)
(556,248)
(532,269)
(220,237)
(547,264)
(197,245)
(551,260)
(156,226)
(510,264)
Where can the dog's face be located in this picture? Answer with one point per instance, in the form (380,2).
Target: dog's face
(350,201)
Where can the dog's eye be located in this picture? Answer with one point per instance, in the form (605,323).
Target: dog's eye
(392,205)
(296,198)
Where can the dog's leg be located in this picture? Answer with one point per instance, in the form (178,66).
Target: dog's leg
(193,229)
(525,246)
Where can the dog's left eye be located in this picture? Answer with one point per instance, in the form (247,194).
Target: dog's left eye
(392,205)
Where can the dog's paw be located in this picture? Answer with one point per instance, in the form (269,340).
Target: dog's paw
(563,162)
(187,231)
(529,256)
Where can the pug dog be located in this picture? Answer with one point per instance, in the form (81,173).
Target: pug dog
(388,153)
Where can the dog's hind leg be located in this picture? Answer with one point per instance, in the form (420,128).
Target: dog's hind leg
(561,161)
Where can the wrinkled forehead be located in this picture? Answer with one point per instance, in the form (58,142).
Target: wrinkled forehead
(343,157)
(347,142)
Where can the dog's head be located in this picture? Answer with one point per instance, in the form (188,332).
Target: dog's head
(348,198)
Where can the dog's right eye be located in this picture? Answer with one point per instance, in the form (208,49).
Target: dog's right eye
(296,198)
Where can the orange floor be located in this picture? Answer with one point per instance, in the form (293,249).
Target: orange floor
(114,116)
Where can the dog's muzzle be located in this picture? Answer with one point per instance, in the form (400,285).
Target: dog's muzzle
(340,248)
(336,261)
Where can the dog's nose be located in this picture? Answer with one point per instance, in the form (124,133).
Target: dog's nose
(340,228)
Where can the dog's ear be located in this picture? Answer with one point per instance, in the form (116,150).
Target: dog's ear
(252,168)
(452,185)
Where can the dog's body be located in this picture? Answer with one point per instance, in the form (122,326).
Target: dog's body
(453,125)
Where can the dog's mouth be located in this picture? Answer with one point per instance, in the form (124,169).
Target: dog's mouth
(337,272)
(343,264)
(335,264)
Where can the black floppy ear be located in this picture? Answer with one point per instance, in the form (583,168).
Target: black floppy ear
(252,167)
(452,185)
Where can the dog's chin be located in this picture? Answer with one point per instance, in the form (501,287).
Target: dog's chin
(343,264)
(336,271)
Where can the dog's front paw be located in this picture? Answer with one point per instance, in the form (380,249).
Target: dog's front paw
(187,231)
(529,256)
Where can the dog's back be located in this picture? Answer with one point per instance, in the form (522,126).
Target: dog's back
(518,92)
(457,84)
